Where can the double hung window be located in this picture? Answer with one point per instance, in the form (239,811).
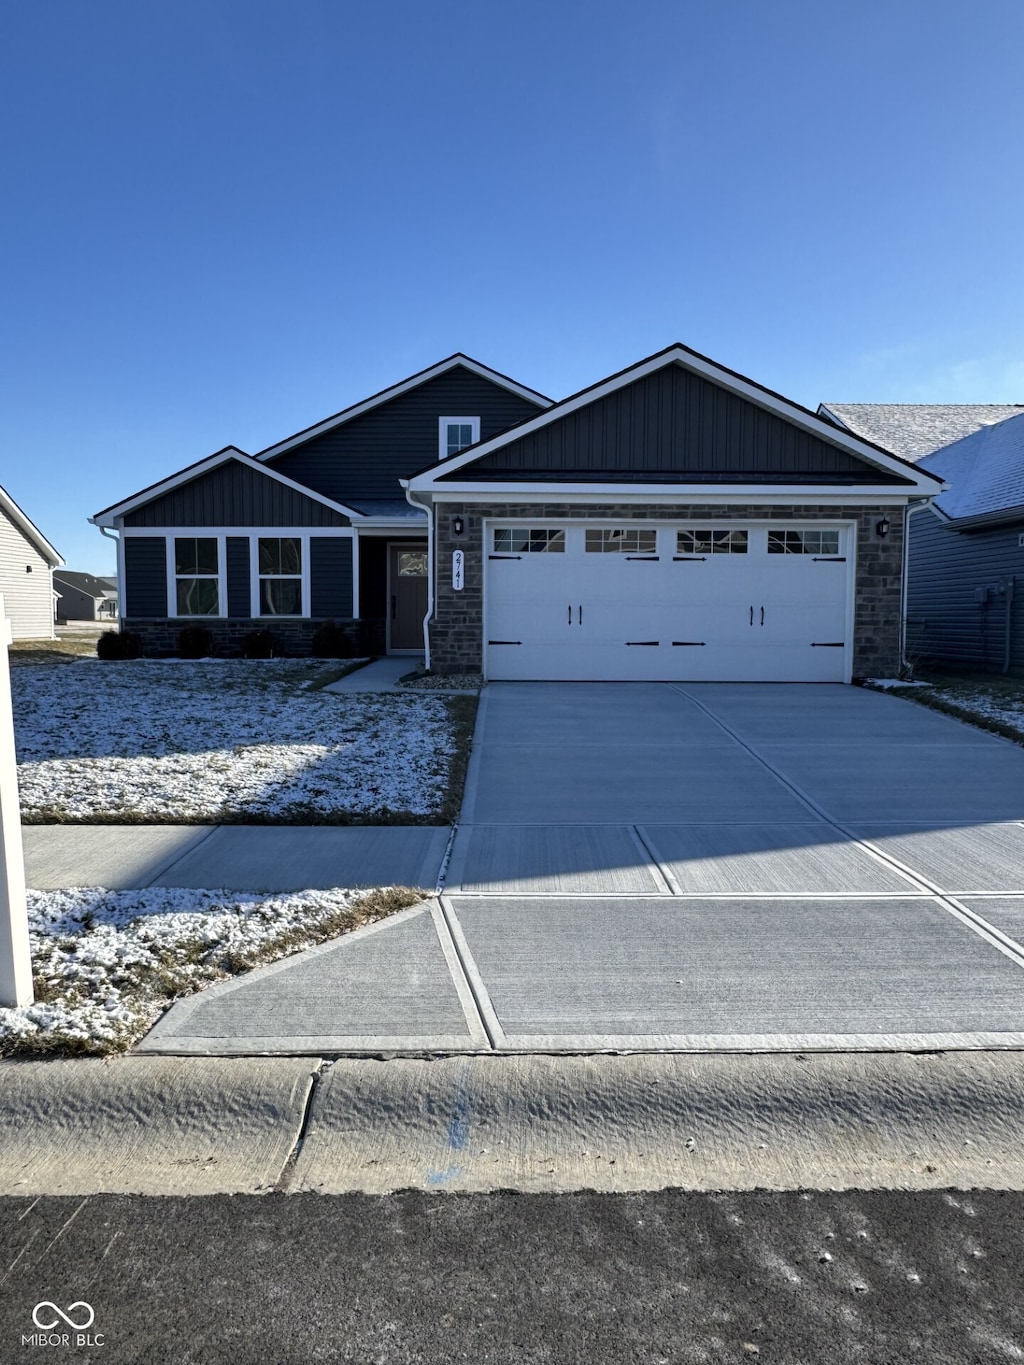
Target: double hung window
(280,575)
(196,576)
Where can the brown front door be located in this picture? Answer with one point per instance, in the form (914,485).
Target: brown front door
(407,591)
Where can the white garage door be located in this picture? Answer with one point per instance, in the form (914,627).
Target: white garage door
(644,602)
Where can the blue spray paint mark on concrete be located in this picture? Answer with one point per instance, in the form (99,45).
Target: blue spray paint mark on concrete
(457,1136)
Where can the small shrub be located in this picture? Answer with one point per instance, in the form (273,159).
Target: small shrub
(331,641)
(124,644)
(195,642)
(261,644)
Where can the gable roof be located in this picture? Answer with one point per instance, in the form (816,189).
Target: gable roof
(85,582)
(912,430)
(985,472)
(385,395)
(678,354)
(29,530)
(195,471)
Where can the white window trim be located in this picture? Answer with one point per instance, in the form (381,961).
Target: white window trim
(196,533)
(273,533)
(222,534)
(443,423)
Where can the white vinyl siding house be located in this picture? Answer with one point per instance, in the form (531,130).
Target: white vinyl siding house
(27,562)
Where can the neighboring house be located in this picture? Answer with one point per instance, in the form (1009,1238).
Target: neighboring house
(674,521)
(83,597)
(27,561)
(965,553)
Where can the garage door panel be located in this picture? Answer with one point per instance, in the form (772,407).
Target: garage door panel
(616,612)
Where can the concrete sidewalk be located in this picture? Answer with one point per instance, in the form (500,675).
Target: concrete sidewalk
(233,857)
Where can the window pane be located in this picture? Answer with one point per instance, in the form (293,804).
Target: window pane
(291,555)
(622,540)
(280,597)
(803,542)
(412,564)
(195,555)
(270,555)
(197,597)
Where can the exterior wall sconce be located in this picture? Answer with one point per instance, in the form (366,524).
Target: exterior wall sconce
(458,526)
(882,527)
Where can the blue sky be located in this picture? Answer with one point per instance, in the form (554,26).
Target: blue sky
(227,219)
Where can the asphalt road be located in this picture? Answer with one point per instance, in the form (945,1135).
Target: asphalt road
(663,1278)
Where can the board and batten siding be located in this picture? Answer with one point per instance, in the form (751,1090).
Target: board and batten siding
(365,457)
(147,588)
(26,583)
(672,426)
(330,577)
(145,576)
(946,621)
(234,495)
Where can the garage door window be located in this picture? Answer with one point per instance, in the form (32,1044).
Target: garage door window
(803,542)
(622,540)
(515,541)
(711,542)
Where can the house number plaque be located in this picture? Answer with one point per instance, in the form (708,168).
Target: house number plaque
(458,569)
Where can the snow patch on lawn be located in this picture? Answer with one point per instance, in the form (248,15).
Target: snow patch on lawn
(199,742)
(108,963)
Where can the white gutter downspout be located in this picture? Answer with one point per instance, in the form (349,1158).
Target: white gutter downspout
(121,585)
(429,509)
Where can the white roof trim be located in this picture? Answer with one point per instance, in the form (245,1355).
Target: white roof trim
(679,355)
(413,382)
(854,494)
(195,471)
(29,530)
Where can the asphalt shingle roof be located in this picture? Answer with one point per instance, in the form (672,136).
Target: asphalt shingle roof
(985,469)
(85,582)
(913,430)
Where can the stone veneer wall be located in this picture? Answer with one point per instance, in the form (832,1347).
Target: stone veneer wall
(160,636)
(456,626)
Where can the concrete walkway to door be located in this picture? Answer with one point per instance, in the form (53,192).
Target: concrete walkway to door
(730,866)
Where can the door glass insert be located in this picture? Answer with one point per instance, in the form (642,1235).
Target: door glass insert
(814,542)
(412,564)
(622,540)
(516,540)
(711,542)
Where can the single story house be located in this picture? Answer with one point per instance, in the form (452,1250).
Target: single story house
(84,597)
(27,562)
(965,551)
(673,521)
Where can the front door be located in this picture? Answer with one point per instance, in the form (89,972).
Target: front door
(407,594)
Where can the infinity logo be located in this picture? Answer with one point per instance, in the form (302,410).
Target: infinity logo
(49,1326)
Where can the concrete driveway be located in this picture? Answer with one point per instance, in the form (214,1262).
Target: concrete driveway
(695,867)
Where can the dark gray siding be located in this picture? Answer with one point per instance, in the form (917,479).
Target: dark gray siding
(330,576)
(239,571)
(145,572)
(234,495)
(368,455)
(946,623)
(673,426)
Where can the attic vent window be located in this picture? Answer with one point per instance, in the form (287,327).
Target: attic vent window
(456,433)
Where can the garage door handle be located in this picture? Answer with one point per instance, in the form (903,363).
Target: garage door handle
(569,609)
(828,644)
(751,615)
(762,616)
(829,559)
(580,622)
(698,643)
